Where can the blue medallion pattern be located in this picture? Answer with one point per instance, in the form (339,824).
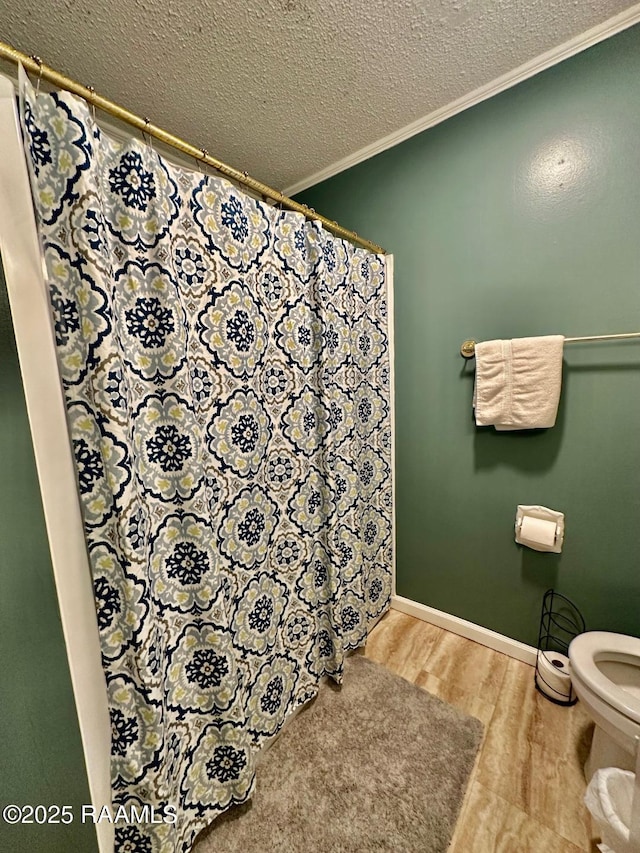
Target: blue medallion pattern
(79,312)
(194,268)
(247,527)
(240,432)
(144,199)
(121,601)
(166,443)
(182,561)
(305,421)
(299,336)
(234,226)
(203,676)
(274,686)
(258,614)
(149,320)
(233,329)
(226,375)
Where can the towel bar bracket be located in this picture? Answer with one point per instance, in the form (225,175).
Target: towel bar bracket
(468,349)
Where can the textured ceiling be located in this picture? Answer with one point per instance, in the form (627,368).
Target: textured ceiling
(285,88)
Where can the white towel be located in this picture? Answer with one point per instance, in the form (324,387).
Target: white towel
(518,382)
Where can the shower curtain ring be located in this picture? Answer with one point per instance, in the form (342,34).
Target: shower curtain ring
(146,141)
(201,162)
(38,62)
(92,92)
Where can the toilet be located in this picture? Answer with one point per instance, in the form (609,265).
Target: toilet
(605,673)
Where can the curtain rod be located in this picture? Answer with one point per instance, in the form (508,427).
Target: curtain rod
(468,348)
(36,66)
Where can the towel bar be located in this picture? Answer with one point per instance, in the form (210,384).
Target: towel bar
(468,348)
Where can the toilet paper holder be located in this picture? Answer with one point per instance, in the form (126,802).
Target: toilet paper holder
(543,541)
(560,622)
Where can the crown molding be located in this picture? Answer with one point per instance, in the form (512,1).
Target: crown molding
(546,60)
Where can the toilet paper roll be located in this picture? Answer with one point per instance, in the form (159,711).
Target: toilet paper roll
(553,676)
(537,533)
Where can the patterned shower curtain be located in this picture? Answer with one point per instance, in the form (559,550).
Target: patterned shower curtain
(226,373)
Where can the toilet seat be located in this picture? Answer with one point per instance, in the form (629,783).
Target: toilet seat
(584,653)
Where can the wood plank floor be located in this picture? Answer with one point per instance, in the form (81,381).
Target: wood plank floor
(526,791)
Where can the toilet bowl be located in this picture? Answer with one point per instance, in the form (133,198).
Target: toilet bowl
(605,673)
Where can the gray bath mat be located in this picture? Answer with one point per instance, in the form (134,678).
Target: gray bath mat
(375,765)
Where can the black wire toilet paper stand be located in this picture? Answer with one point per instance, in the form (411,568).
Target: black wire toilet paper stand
(560,622)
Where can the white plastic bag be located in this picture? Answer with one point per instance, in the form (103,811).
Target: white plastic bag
(609,798)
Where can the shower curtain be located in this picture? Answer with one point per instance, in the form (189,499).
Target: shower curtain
(225,367)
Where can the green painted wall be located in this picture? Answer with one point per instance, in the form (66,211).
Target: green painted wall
(520,216)
(41,753)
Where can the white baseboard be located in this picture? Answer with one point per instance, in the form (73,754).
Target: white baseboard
(484,636)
